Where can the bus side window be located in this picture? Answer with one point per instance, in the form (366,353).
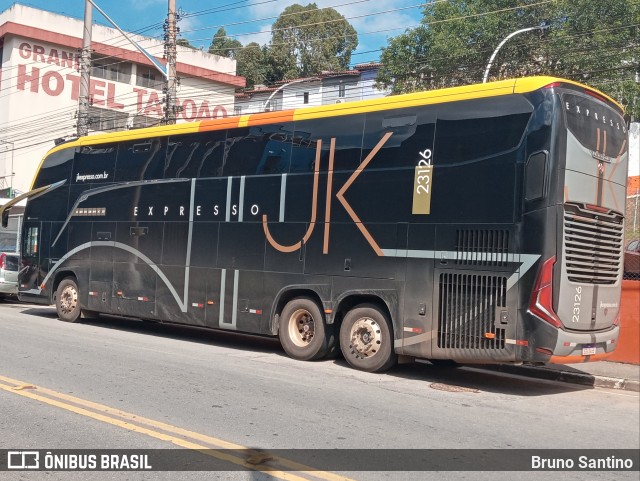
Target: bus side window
(243,152)
(303,154)
(487,127)
(198,155)
(276,155)
(535,175)
(141,160)
(31,242)
(412,134)
(57,166)
(94,165)
(348,149)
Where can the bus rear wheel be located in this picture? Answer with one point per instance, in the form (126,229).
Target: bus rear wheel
(67,305)
(366,339)
(302,330)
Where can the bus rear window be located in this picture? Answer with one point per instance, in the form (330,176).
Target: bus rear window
(596,126)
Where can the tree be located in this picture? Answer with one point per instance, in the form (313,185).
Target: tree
(587,41)
(184,43)
(307,40)
(223,45)
(253,64)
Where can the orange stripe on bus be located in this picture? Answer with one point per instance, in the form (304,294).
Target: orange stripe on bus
(578,359)
(218,124)
(271,117)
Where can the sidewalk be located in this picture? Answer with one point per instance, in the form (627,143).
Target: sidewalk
(603,374)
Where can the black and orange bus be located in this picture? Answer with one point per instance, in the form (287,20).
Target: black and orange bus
(477,224)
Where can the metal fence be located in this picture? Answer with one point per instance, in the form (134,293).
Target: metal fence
(632,237)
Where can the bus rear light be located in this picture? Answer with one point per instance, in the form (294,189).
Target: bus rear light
(3,256)
(541,304)
(553,85)
(489,335)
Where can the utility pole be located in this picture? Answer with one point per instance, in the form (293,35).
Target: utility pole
(85,72)
(171,54)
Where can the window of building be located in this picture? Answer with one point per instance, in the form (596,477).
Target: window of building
(237,110)
(148,77)
(111,69)
(306,97)
(106,120)
(341,90)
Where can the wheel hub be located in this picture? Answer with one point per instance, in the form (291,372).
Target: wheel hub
(366,337)
(68,299)
(301,327)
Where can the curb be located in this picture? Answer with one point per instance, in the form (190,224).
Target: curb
(573,377)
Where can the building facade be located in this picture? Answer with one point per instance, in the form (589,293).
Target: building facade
(324,89)
(40,78)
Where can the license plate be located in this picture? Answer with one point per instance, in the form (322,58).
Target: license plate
(588,350)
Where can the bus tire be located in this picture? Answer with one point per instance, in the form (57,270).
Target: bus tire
(67,304)
(366,339)
(302,330)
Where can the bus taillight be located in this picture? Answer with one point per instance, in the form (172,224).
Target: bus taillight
(541,303)
(3,256)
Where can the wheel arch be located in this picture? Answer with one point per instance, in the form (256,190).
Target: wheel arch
(287,294)
(350,300)
(57,279)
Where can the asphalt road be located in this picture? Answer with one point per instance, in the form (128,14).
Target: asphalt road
(117,383)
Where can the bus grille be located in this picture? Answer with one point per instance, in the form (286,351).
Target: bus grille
(467,311)
(593,249)
(482,247)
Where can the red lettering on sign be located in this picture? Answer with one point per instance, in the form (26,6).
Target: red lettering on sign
(67,60)
(189,104)
(33,78)
(219,109)
(96,91)
(38,53)
(111,94)
(204,113)
(25,50)
(53,57)
(153,105)
(58,82)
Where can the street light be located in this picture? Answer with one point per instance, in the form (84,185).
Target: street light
(512,34)
(11,174)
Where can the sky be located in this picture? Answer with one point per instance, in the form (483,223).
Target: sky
(246,20)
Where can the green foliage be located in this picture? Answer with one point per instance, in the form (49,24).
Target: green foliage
(253,64)
(594,42)
(223,45)
(308,40)
(184,43)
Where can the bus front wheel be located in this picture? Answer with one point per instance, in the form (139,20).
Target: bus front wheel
(302,330)
(366,339)
(67,305)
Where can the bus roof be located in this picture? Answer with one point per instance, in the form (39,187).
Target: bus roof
(452,94)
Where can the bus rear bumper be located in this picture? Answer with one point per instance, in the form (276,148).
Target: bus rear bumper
(576,347)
